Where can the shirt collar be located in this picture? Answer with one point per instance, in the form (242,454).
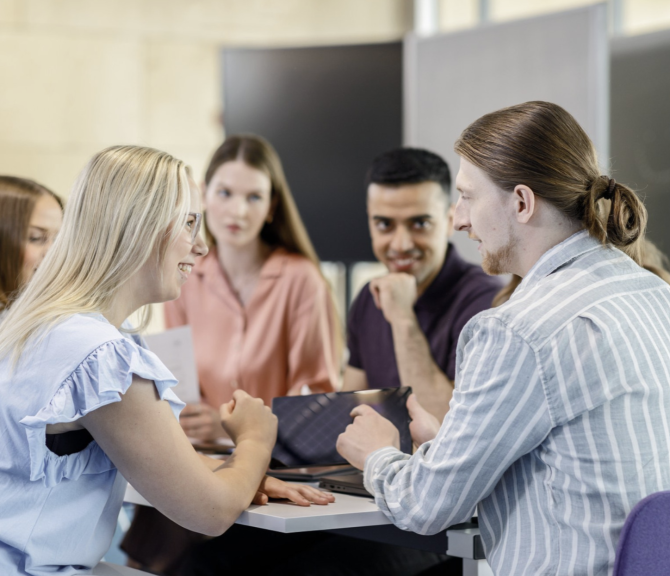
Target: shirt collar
(209,265)
(272,268)
(570,249)
(274,265)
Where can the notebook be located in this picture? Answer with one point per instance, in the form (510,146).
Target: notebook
(174,348)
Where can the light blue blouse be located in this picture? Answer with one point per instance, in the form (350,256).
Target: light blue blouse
(58,513)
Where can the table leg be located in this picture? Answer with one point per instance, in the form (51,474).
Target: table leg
(476,568)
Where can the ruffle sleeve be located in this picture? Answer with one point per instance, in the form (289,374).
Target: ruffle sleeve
(100,379)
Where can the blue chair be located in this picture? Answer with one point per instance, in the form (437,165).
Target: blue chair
(644,544)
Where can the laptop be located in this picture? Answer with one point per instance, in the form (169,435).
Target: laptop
(311,474)
(345,484)
(308,428)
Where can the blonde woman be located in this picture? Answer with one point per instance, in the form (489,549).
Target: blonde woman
(260,312)
(129,238)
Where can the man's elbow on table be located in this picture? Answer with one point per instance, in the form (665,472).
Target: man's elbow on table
(419,516)
(406,499)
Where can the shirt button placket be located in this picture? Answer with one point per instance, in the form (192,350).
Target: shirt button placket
(235,382)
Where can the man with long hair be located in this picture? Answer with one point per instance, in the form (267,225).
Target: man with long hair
(559,421)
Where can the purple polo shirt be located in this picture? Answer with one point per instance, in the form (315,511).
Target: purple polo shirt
(459,291)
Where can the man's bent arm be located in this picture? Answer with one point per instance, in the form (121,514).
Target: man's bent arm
(418,369)
(354,379)
(499,413)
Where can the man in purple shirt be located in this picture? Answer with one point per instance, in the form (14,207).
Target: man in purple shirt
(403,327)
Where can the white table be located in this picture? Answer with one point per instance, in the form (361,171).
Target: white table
(353,516)
(346,512)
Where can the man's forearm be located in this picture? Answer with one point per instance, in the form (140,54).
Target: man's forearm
(354,379)
(418,369)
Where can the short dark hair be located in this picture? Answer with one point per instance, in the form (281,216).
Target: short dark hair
(409,166)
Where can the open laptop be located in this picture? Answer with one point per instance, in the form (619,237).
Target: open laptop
(308,428)
(309,474)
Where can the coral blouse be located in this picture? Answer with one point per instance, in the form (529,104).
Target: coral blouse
(282,340)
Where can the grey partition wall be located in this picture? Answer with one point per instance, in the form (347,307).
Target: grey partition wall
(328,110)
(640,118)
(452,79)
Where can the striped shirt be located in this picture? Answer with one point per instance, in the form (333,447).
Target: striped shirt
(559,422)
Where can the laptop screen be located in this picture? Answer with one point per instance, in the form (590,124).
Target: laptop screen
(309,425)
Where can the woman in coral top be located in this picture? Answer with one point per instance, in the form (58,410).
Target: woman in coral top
(261,313)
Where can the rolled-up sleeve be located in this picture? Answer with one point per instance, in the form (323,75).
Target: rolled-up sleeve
(498,413)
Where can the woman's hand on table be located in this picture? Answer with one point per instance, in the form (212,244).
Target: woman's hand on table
(300,494)
(202,422)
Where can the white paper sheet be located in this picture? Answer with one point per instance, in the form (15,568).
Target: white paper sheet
(175,349)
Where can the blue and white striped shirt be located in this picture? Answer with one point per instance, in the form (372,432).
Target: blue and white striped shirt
(559,421)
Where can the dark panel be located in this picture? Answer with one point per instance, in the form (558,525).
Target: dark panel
(328,111)
(640,124)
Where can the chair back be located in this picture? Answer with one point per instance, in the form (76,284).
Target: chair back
(644,544)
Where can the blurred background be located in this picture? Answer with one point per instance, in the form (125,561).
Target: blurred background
(331,83)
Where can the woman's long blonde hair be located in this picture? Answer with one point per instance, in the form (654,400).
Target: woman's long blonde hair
(127,201)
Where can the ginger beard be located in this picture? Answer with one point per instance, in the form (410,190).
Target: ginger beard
(500,261)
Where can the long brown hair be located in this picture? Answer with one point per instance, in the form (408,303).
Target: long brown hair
(541,145)
(18,197)
(286,229)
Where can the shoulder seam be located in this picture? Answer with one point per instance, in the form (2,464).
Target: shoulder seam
(122,339)
(591,306)
(535,351)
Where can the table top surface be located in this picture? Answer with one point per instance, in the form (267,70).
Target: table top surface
(346,512)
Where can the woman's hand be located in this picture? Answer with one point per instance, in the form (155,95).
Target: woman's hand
(202,422)
(300,494)
(424,426)
(248,419)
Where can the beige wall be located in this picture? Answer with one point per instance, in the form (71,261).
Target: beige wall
(638,16)
(79,75)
